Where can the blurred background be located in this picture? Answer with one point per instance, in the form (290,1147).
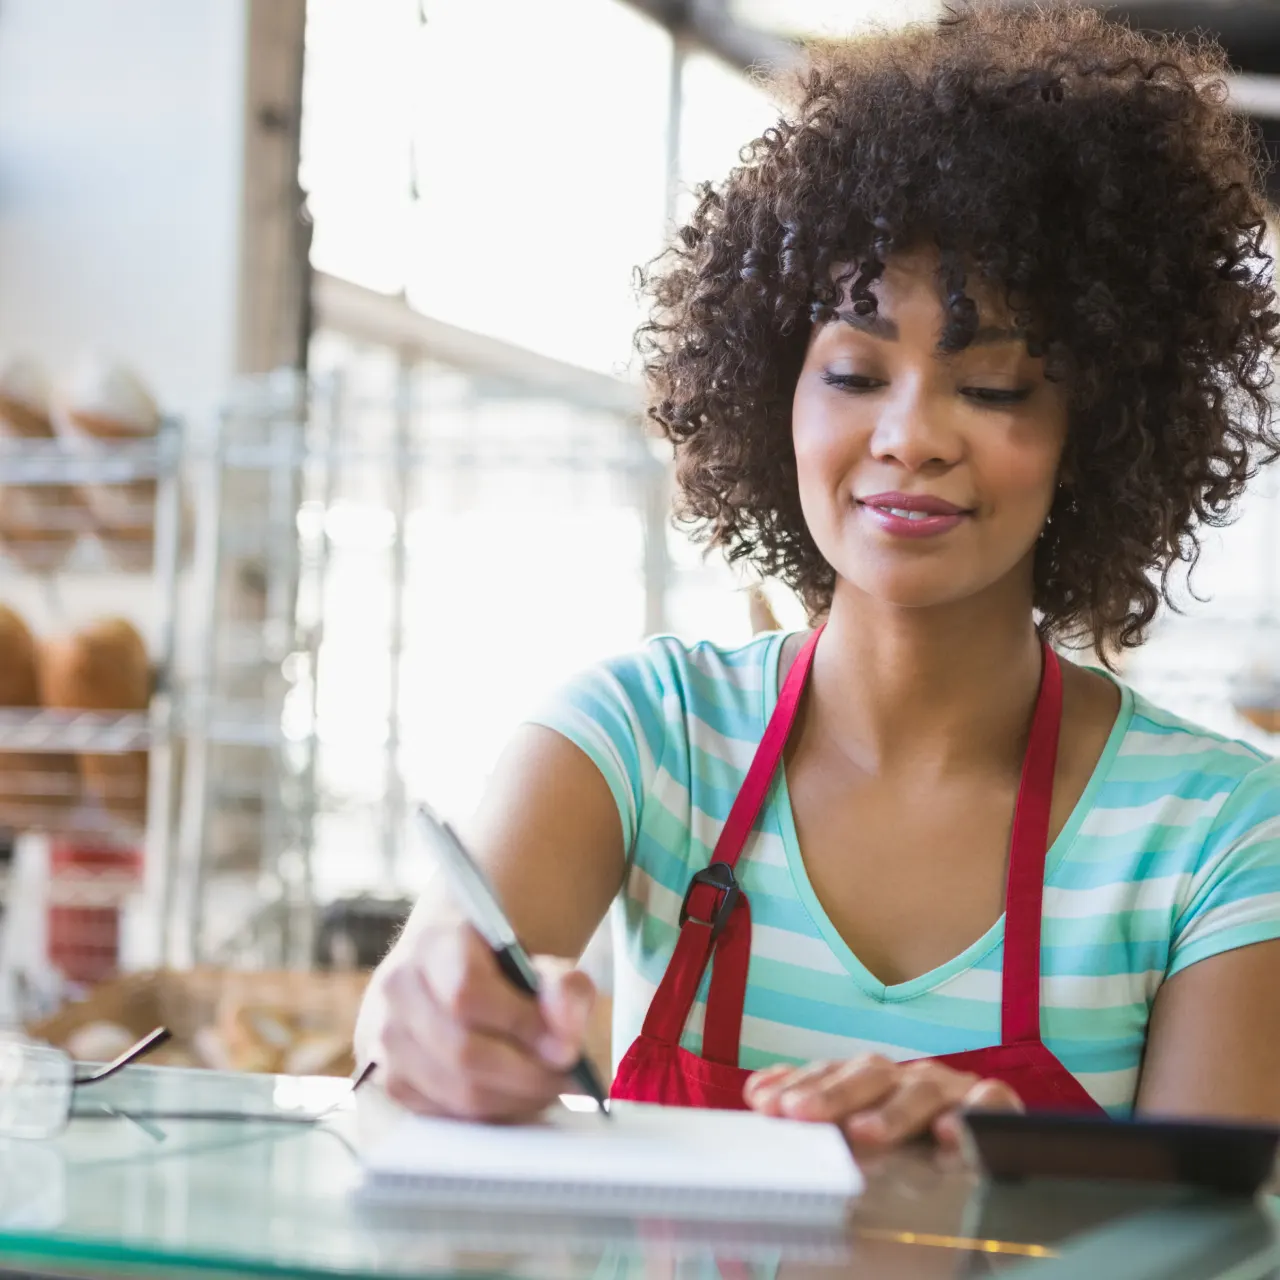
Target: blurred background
(322,460)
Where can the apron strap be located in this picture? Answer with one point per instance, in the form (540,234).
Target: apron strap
(669,1008)
(1024,893)
(710,921)
(701,937)
(764,764)
(722,1029)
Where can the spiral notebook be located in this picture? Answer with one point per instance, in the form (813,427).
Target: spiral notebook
(673,1161)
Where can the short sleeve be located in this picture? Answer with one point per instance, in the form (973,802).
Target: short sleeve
(614,713)
(1233,898)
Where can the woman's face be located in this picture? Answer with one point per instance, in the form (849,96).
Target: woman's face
(925,477)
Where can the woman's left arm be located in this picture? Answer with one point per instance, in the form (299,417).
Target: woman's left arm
(1213,1042)
(1213,1039)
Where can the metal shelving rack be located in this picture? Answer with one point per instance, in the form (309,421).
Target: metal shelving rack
(39,732)
(236,757)
(194,711)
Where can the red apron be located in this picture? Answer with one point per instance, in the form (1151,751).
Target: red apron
(715,921)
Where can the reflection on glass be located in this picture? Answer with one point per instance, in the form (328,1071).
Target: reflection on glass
(33,1186)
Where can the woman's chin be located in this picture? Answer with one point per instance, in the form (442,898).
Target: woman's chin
(914,591)
(934,581)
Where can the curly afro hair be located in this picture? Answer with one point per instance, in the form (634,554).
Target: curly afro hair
(1097,179)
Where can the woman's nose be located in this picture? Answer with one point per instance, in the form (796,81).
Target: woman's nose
(915,430)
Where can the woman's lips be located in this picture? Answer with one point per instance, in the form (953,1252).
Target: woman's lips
(911,515)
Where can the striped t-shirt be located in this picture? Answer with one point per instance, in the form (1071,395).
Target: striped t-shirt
(1171,855)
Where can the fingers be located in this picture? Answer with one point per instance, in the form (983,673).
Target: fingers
(464,980)
(466,1073)
(823,1091)
(458,1038)
(566,997)
(925,1090)
(986,1095)
(764,1090)
(993,1095)
(877,1103)
(767,1075)
(783,1074)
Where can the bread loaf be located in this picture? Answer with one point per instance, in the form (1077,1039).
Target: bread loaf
(104,402)
(39,524)
(19,680)
(103,667)
(36,788)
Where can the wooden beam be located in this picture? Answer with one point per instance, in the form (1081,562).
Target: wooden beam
(389,321)
(274,235)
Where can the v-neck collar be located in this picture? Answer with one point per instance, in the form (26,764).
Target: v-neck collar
(976,951)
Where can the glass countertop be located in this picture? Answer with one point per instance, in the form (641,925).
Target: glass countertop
(114,1195)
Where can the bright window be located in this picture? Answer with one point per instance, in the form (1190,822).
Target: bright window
(501,162)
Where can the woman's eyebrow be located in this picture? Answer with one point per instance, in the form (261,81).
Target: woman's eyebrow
(879,326)
(875,324)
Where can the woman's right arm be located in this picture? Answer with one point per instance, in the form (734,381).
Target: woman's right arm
(449,1033)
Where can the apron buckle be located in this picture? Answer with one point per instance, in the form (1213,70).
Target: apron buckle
(719,876)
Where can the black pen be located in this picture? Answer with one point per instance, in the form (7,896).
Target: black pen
(476,897)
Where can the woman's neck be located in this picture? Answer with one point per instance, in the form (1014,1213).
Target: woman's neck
(931,689)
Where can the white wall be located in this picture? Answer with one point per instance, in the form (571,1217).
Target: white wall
(121,139)
(121,157)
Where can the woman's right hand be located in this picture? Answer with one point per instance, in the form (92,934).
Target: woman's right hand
(452,1036)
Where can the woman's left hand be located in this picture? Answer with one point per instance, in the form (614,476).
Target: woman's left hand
(878,1103)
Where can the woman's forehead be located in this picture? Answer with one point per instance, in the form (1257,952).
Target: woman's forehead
(916,271)
(913,282)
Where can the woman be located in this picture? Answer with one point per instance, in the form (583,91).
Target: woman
(964,352)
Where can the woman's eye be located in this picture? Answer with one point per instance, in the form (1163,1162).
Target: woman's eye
(992,396)
(851,381)
(997,396)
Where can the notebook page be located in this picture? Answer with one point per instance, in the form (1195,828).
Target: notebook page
(638,1147)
